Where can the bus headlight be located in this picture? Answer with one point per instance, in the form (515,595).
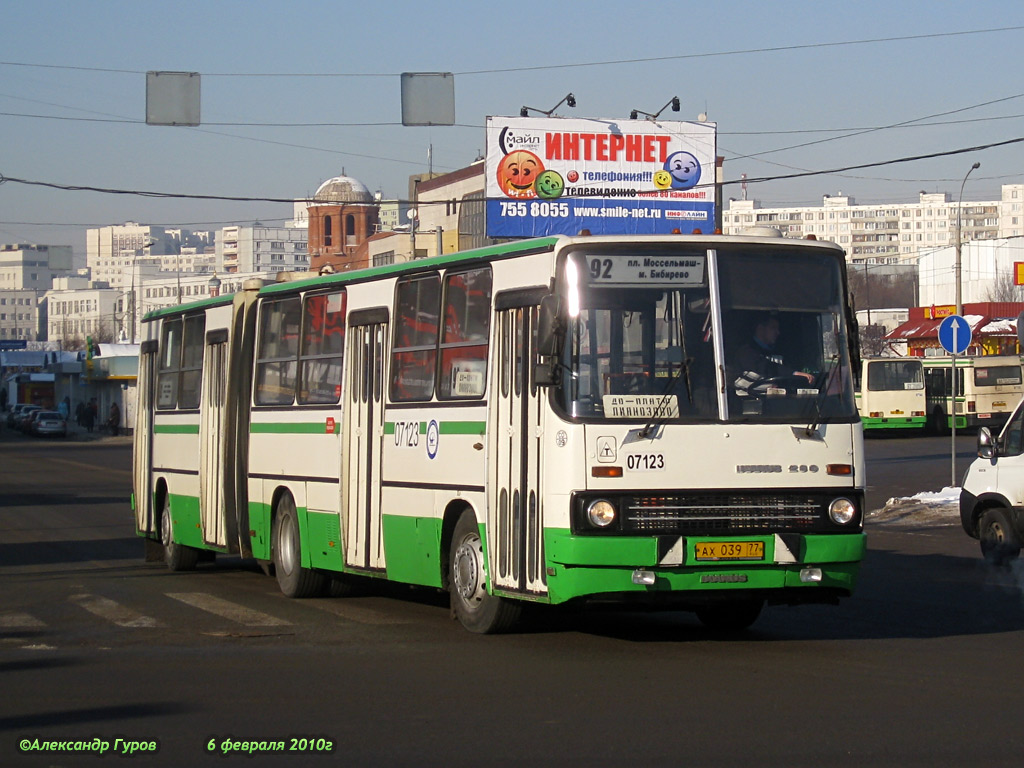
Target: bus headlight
(842,511)
(601,513)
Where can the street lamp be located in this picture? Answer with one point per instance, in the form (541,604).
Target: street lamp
(959,242)
(567,99)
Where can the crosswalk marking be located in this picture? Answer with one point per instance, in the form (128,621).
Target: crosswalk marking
(228,610)
(19,621)
(111,611)
(346,610)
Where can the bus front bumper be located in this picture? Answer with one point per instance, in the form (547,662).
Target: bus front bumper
(791,568)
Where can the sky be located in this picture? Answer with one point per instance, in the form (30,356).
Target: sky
(794,87)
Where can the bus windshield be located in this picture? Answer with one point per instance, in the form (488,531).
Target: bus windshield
(650,339)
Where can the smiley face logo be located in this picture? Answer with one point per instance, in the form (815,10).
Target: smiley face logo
(517,173)
(549,185)
(684,170)
(573,177)
(662,179)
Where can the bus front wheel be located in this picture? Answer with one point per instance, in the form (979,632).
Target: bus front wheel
(730,617)
(999,541)
(477,610)
(294,580)
(177,556)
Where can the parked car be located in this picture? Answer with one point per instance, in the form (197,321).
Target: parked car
(48,423)
(13,411)
(24,415)
(992,496)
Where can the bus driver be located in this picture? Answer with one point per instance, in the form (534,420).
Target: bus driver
(757,360)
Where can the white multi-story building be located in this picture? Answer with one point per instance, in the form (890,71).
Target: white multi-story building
(19,314)
(454,203)
(26,272)
(24,266)
(113,253)
(77,309)
(243,249)
(887,233)
(988,272)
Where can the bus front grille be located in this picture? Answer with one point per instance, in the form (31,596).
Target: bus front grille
(723,514)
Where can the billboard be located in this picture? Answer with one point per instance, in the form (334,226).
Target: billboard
(553,175)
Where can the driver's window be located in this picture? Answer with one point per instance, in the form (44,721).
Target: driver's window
(1012,443)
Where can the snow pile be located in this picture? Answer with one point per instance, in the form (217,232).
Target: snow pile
(925,508)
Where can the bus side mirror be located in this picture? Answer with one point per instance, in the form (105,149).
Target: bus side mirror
(549,327)
(987,444)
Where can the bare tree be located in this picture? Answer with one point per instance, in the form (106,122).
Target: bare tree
(1004,289)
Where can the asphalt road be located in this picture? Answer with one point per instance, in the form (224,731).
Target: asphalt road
(920,667)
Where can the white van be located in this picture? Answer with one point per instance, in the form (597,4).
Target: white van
(992,494)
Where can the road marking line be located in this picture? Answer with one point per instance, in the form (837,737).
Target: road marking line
(112,611)
(19,621)
(228,610)
(341,607)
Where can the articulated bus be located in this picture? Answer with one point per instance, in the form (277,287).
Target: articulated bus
(988,388)
(550,421)
(891,394)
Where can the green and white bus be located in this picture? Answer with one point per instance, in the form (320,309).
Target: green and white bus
(549,420)
(891,395)
(988,388)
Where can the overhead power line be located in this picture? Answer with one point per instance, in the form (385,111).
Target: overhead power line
(541,67)
(253,199)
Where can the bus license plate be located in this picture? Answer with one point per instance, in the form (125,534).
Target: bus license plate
(729,550)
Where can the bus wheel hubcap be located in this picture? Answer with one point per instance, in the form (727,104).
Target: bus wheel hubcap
(467,569)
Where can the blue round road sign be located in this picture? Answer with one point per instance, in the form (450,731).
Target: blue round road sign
(955,335)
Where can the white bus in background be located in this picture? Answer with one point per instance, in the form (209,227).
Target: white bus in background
(988,388)
(543,421)
(891,395)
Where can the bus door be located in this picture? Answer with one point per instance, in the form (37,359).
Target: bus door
(515,530)
(364,436)
(143,440)
(212,431)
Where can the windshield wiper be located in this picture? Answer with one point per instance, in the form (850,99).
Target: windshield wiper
(658,418)
(822,393)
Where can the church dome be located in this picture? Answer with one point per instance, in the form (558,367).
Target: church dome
(342,189)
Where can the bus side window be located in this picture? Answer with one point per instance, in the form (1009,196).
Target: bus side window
(170,362)
(192,362)
(414,351)
(276,358)
(464,341)
(323,343)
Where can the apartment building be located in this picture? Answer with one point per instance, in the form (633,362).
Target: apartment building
(888,233)
(27,271)
(245,249)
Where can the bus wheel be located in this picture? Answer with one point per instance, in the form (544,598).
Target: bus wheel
(177,556)
(478,611)
(999,542)
(939,424)
(730,617)
(294,580)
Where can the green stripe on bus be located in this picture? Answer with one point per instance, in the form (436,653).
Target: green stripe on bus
(298,428)
(176,429)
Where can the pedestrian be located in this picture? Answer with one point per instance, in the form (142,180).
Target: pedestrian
(80,413)
(114,422)
(65,407)
(90,415)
